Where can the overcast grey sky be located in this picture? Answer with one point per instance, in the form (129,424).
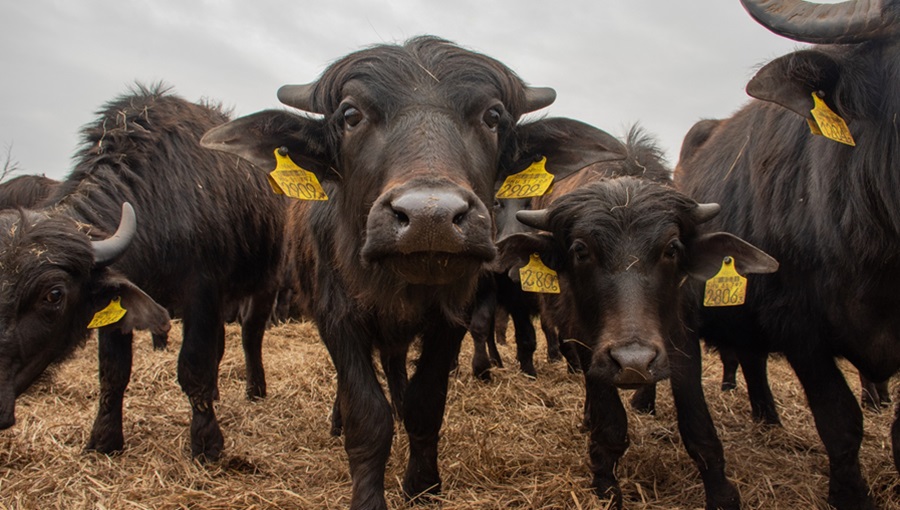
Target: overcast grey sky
(662,63)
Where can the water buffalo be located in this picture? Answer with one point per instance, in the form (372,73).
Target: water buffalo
(25,190)
(207,239)
(410,143)
(828,211)
(624,242)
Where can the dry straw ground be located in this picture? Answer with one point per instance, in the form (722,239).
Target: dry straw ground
(512,443)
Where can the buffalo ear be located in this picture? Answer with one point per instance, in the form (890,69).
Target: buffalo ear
(514,251)
(705,256)
(790,80)
(142,312)
(569,145)
(256,137)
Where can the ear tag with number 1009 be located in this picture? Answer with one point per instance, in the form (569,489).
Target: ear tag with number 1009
(537,277)
(531,182)
(293,181)
(726,288)
(112,314)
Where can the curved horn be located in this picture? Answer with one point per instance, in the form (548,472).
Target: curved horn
(298,96)
(109,249)
(538,97)
(841,23)
(705,212)
(538,218)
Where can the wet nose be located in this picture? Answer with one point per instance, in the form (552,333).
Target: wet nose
(636,363)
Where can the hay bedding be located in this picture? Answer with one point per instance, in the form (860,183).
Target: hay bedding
(510,444)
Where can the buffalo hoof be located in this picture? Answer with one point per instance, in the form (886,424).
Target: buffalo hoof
(106,441)
(528,369)
(726,497)
(420,489)
(207,441)
(607,489)
(644,400)
(481,369)
(729,385)
(256,390)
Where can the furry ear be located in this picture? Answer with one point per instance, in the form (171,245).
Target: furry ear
(141,311)
(257,136)
(515,250)
(705,256)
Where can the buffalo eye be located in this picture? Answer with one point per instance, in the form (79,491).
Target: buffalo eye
(352,116)
(54,296)
(492,117)
(673,249)
(580,251)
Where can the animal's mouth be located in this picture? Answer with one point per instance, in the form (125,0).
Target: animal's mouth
(431,268)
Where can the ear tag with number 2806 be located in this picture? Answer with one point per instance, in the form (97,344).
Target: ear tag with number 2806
(726,288)
(537,277)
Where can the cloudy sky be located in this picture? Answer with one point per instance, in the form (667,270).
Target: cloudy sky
(661,63)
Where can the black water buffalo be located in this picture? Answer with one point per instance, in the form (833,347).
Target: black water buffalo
(210,235)
(411,141)
(25,190)
(624,242)
(828,211)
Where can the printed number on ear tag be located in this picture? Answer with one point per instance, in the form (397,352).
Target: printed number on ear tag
(112,314)
(293,181)
(726,288)
(537,277)
(829,124)
(531,182)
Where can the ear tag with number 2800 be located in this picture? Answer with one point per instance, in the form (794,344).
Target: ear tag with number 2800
(726,288)
(537,277)
(112,314)
(531,182)
(293,181)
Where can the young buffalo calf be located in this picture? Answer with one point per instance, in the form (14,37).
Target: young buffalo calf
(624,248)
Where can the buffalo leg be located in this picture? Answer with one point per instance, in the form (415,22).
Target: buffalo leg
(839,422)
(501,324)
(253,328)
(754,365)
(607,423)
(874,395)
(481,327)
(426,398)
(696,426)
(730,364)
(363,410)
(198,370)
(644,399)
(115,356)
(526,342)
(895,438)
(394,366)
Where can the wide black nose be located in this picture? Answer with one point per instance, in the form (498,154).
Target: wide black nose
(429,219)
(636,363)
(434,216)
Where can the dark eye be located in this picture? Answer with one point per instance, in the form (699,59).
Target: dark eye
(492,117)
(673,249)
(54,296)
(580,251)
(352,117)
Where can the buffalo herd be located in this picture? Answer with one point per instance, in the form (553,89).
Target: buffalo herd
(403,202)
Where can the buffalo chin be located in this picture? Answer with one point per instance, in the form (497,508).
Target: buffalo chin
(431,268)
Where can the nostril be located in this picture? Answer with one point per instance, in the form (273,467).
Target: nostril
(459,218)
(402,218)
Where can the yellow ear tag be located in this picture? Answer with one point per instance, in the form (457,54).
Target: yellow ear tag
(112,314)
(531,182)
(830,125)
(293,181)
(726,288)
(537,277)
